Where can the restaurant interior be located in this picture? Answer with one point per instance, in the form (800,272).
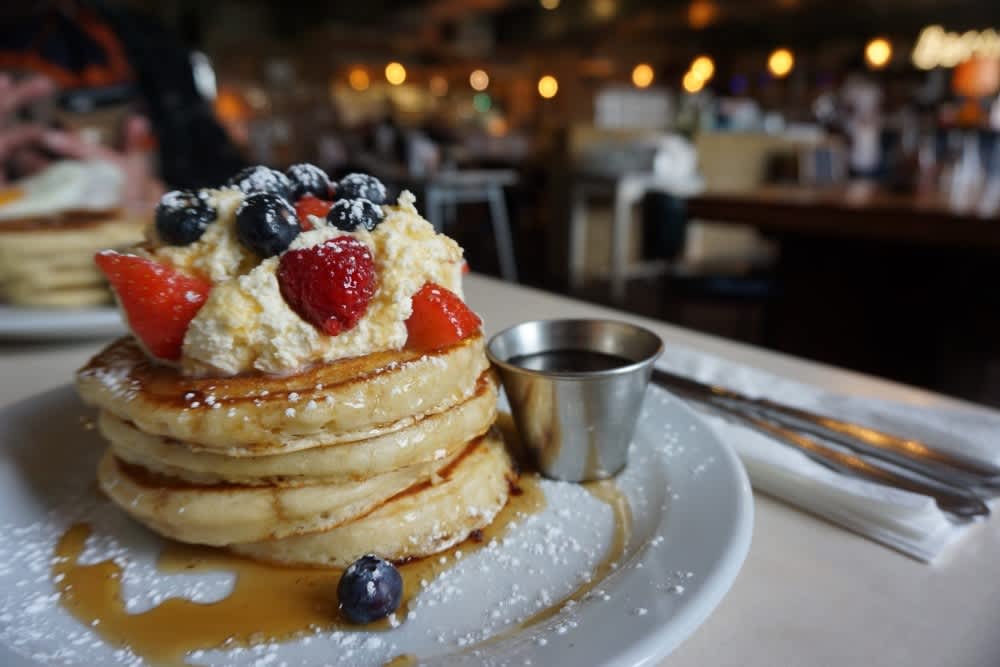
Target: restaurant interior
(816,177)
(727,317)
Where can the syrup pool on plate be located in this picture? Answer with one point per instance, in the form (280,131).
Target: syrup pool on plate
(300,600)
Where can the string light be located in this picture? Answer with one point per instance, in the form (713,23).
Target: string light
(479,80)
(358,78)
(703,67)
(878,53)
(642,75)
(780,63)
(395,73)
(548,86)
(692,82)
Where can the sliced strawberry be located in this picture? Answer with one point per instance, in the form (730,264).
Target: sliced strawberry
(311,205)
(328,285)
(465,267)
(159,301)
(439,319)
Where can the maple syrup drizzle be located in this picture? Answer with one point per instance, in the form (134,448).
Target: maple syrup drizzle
(273,603)
(268,603)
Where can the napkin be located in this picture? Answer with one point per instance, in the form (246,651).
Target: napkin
(903,520)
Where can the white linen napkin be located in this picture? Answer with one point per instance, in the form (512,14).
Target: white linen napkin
(906,521)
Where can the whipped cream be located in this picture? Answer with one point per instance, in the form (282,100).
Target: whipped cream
(246,325)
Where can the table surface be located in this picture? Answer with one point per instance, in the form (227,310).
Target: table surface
(856,210)
(809,593)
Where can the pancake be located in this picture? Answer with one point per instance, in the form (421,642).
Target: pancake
(253,415)
(419,522)
(429,438)
(52,265)
(56,277)
(224,514)
(48,240)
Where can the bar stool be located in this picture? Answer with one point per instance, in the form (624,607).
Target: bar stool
(445,190)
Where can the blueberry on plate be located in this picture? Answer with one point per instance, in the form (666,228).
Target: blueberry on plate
(369,589)
(262,179)
(266,224)
(308,179)
(361,186)
(182,217)
(349,214)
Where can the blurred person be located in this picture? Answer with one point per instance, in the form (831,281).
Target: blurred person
(63,61)
(861,99)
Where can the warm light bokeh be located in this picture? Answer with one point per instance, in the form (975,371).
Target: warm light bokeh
(548,86)
(702,13)
(692,82)
(642,75)
(358,78)
(549,4)
(439,85)
(395,73)
(479,80)
(878,53)
(780,62)
(604,9)
(703,67)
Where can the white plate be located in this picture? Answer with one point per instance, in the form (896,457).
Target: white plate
(692,517)
(56,324)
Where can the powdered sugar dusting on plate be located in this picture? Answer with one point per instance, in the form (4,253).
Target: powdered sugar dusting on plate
(543,558)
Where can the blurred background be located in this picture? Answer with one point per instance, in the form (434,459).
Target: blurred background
(819,177)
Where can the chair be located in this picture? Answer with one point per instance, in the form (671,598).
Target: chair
(445,190)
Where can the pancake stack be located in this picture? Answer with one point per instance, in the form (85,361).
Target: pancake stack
(393,453)
(49,262)
(52,223)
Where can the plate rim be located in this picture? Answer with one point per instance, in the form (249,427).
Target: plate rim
(20,324)
(721,579)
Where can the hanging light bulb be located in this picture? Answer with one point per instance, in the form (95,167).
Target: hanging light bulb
(479,80)
(548,86)
(878,53)
(395,73)
(703,67)
(642,75)
(780,62)
(358,78)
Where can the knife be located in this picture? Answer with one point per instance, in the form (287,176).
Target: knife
(946,467)
(963,505)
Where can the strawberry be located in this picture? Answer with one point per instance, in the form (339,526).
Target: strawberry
(328,285)
(159,301)
(311,205)
(439,319)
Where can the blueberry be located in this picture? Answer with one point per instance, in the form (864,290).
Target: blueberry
(262,179)
(266,224)
(349,214)
(361,186)
(308,179)
(182,217)
(369,589)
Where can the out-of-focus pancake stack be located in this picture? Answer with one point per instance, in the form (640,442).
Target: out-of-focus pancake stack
(50,227)
(393,453)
